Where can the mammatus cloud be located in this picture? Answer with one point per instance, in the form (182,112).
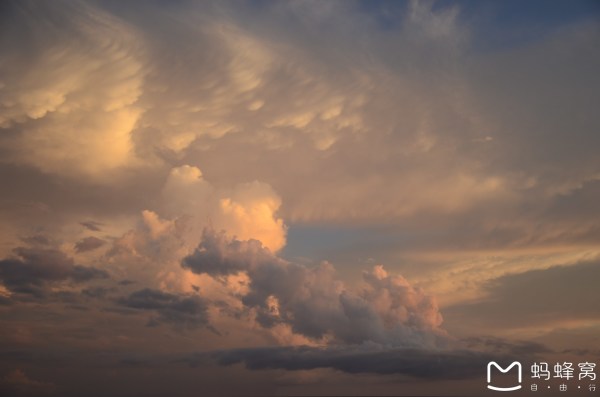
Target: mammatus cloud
(388,310)
(69,106)
(406,124)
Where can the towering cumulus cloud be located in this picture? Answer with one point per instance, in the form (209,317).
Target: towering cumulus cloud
(248,210)
(388,310)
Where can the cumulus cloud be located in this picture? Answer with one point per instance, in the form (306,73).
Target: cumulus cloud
(314,303)
(151,251)
(248,210)
(148,253)
(32,269)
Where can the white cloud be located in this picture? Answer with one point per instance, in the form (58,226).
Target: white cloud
(248,210)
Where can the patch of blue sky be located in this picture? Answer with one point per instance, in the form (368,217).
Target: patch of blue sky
(495,25)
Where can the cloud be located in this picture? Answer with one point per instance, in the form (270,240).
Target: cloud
(89,244)
(316,304)
(70,104)
(431,141)
(92,225)
(455,164)
(405,123)
(341,103)
(37,240)
(16,383)
(33,269)
(181,311)
(217,255)
(548,298)
(503,346)
(419,363)
(96,292)
(248,210)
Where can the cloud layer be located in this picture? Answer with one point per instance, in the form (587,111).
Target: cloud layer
(418,363)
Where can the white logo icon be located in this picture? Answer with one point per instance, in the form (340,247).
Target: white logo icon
(504,370)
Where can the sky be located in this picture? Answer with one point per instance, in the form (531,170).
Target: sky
(297,197)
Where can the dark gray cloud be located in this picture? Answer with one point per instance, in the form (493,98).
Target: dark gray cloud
(592,352)
(16,383)
(96,292)
(38,239)
(187,311)
(32,269)
(92,225)
(89,244)
(217,256)
(499,345)
(428,364)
